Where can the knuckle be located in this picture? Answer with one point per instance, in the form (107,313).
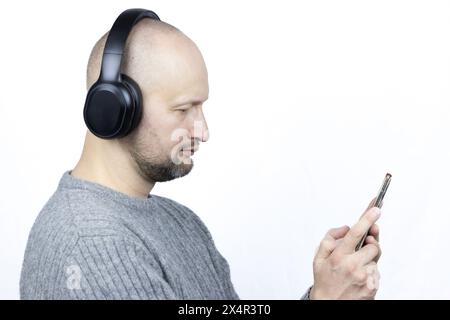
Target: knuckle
(356,232)
(326,245)
(326,242)
(371,292)
(369,219)
(335,261)
(351,267)
(372,267)
(330,233)
(372,281)
(375,249)
(360,277)
(326,239)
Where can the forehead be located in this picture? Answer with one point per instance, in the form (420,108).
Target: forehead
(177,70)
(187,82)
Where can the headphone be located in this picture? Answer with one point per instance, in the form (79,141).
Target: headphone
(113,106)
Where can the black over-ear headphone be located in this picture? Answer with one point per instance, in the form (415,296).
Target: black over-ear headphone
(113,106)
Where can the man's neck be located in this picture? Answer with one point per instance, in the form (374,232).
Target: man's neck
(114,170)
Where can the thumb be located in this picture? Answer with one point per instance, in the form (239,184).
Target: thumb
(338,233)
(329,242)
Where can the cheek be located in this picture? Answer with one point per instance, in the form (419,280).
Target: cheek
(159,140)
(170,131)
(162,130)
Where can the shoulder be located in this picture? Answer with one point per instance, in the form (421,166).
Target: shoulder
(185,213)
(81,213)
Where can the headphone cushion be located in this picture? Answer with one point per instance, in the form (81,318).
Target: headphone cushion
(135,93)
(107,109)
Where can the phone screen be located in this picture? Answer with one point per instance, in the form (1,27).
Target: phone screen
(378,203)
(383,189)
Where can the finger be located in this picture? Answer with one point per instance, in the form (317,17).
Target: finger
(366,254)
(338,233)
(371,205)
(329,242)
(372,240)
(375,232)
(326,247)
(355,234)
(373,278)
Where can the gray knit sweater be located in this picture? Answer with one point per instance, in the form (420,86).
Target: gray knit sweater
(92,242)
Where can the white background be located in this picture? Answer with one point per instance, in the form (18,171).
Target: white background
(311,102)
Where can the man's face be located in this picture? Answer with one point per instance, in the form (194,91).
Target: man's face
(173,123)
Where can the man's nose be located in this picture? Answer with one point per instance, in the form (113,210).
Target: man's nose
(201,131)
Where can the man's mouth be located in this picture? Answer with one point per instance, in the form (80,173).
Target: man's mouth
(187,152)
(192,150)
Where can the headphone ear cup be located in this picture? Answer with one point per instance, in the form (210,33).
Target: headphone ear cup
(108,109)
(136,95)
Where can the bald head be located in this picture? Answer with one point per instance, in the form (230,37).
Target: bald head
(146,30)
(171,73)
(150,49)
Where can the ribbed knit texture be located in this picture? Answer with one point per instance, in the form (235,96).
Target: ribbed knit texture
(92,242)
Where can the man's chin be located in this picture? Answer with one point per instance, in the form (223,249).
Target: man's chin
(182,170)
(168,173)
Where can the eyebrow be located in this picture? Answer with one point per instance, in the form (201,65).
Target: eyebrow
(190,101)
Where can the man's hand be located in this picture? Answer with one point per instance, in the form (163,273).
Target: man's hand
(342,273)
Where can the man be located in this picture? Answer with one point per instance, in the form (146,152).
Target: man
(102,235)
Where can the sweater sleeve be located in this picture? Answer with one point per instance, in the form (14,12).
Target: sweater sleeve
(110,267)
(220,262)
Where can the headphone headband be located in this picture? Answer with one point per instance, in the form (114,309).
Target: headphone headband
(113,106)
(115,43)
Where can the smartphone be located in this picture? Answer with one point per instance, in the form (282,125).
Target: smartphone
(378,203)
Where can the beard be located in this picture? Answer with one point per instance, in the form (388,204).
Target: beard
(152,169)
